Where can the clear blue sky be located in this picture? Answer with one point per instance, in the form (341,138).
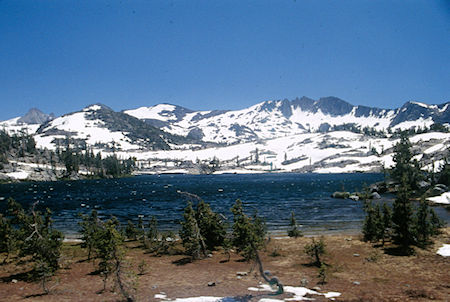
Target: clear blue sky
(62,55)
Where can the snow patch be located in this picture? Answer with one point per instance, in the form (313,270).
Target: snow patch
(298,292)
(444,250)
(18,175)
(441,199)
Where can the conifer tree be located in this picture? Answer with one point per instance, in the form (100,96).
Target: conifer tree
(248,234)
(35,237)
(371,225)
(140,227)
(387,222)
(293,230)
(427,223)
(212,228)
(130,231)
(152,233)
(190,234)
(8,237)
(403,219)
(316,249)
(90,229)
(405,167)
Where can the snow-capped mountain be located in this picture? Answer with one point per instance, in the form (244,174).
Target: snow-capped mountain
(101,127)
(28,123)
(272,119)
(302,135)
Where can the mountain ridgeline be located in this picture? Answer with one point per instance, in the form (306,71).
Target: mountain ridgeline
(165,126)
(271,119)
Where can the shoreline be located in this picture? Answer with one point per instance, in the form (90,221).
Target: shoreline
(175,172)
(273,234)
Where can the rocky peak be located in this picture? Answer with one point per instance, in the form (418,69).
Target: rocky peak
(36,116)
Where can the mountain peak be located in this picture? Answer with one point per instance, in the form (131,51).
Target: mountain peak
(96,106)
(35,116)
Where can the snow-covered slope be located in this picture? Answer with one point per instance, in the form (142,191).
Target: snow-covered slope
(300,135)
(333,152)
(273,119)
(14,126)
(99,126)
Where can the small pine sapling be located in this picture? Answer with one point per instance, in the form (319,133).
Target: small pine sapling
(323,273)
(316,249)
(130,231)
(293,230)
(387,222)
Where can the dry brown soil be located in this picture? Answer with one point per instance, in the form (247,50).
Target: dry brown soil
(356,269)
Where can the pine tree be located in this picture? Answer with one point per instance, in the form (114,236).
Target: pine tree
(387,222)
(372,222)
(403,219)
(423,224)
(152,233)
(294,231)
(140,227)
(8,237)
(444,173)
(248,235)
(35,237)
(212,228)
(405,166)
(90,228)
(130,231)
(190,235)
(427,224)
(316,249)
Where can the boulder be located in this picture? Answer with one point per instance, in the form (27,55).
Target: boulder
(423,184)
(436,191)
(341,195)
(375,195)
(442,186)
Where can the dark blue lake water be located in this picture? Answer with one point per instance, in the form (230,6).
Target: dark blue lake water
(273,195)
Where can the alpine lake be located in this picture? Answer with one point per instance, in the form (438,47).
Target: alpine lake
(272,196)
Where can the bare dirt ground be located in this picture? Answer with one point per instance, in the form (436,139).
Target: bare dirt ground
(356,269)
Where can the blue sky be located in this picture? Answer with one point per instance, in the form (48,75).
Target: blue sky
(62,55)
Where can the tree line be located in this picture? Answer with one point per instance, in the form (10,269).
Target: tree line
(72,155)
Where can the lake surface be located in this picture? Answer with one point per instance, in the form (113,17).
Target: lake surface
(274,196)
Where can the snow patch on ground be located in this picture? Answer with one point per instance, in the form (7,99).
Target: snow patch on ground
(441,199)
(298,292)
(18,175)
(444,250)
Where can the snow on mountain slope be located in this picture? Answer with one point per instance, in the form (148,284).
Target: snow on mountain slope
(78,125)
(99,126)
(13,126)
(272,119)
(333,152)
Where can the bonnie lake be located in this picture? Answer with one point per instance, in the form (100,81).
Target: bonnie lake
(273,196)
